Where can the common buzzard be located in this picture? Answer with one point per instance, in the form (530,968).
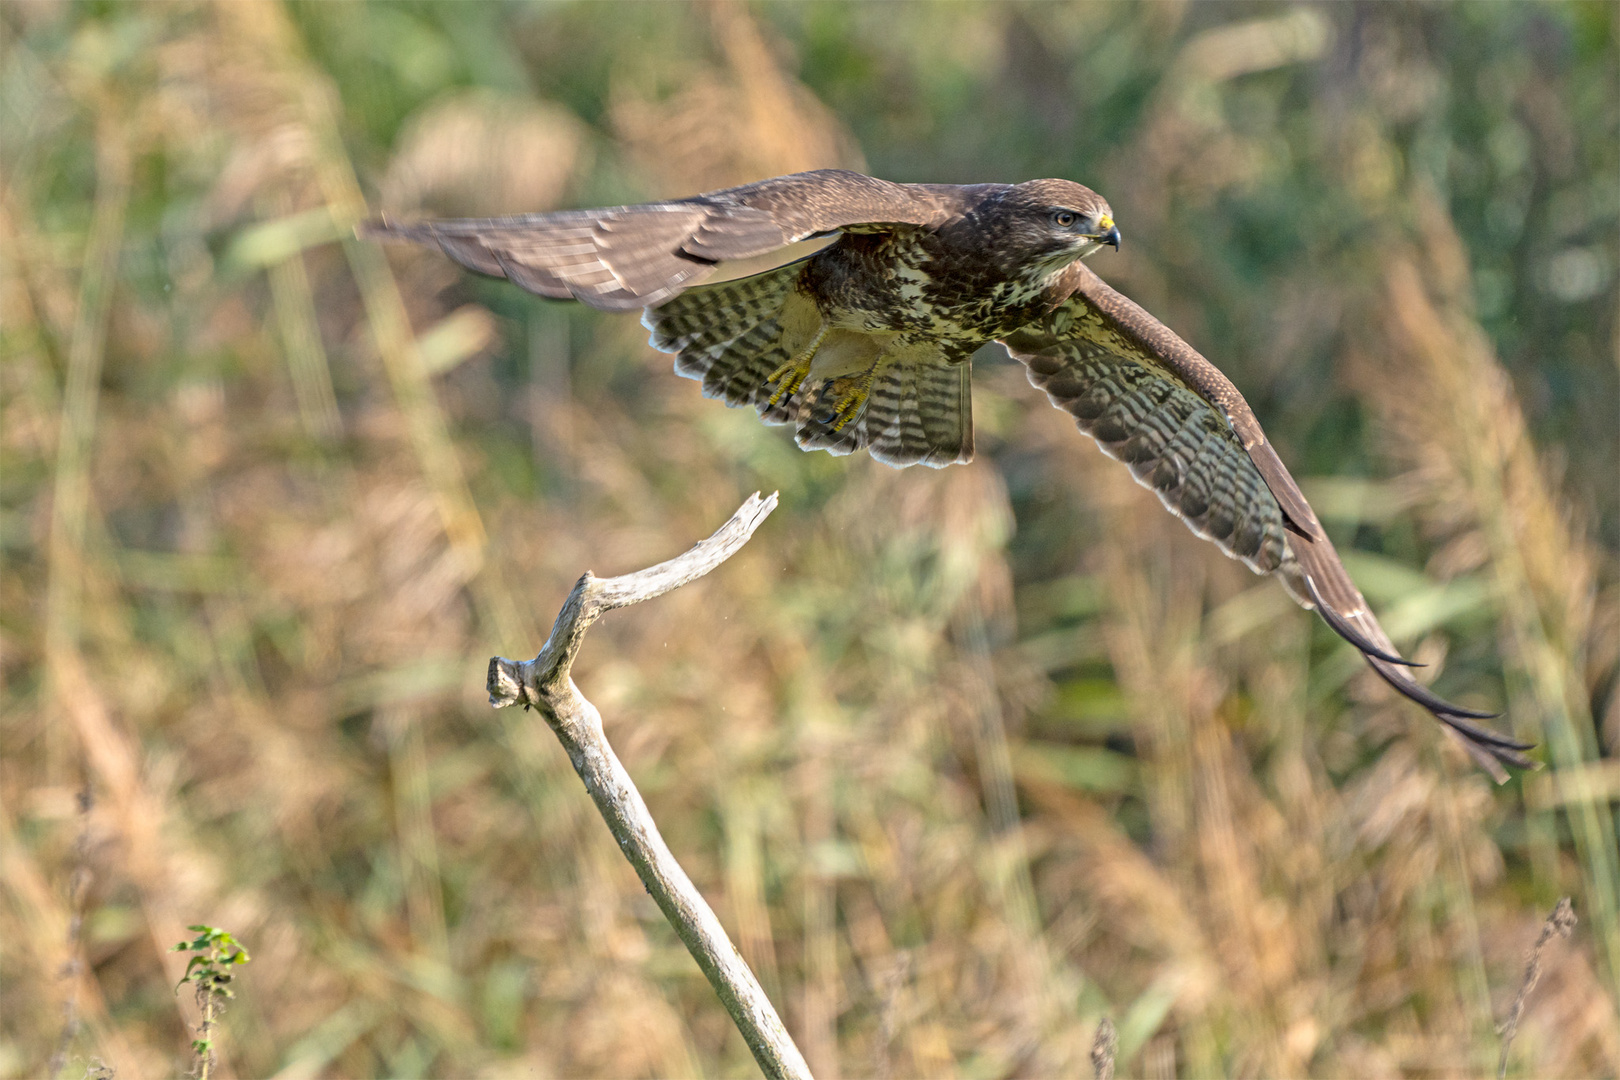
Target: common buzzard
(867,344)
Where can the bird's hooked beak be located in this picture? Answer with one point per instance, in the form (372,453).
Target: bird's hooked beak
(1109,232)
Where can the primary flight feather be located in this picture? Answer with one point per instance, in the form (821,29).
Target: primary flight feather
(867,345)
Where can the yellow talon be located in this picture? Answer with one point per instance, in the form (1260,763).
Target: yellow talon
(792,375)
(852,393)
(794,372)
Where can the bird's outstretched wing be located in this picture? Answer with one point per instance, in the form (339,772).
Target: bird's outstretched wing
(1152,401)
(627,257)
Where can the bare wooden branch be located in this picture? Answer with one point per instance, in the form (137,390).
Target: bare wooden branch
(1104,1045)
(545,684)
(1561,923)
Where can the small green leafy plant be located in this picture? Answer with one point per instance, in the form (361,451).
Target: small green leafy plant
(209,972)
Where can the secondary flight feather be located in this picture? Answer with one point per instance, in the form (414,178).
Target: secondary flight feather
(867,344)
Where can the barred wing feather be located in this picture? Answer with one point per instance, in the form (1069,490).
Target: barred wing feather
(1152,401)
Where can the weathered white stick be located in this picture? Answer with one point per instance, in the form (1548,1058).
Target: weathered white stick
(545,684)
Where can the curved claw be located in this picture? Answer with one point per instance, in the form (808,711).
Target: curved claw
(849,397)
(791,376)
(793,373)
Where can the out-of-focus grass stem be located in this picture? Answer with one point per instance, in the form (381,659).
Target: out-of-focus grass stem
(301,342)
(1013,878)
(741,813)
(1473,983)
(70,501)
(418,847)
(819,1018)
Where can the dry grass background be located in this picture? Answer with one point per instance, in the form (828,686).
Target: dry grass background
(967,760)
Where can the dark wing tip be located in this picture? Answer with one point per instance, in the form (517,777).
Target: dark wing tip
(1345,629)
(1490,749)
(1416,691)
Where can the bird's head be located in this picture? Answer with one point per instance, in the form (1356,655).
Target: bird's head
(1058,221)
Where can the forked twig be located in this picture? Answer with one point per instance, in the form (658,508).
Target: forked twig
(1561,922)
(545,684)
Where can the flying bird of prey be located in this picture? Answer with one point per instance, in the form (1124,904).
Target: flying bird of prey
(867,343)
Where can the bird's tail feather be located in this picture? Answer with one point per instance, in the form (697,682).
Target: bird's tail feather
(916,413)
(730,335)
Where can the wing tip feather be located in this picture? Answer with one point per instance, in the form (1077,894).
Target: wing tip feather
(1490,749)
(383,228)
(1340,624)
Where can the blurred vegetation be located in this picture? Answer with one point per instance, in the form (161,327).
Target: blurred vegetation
(965,760)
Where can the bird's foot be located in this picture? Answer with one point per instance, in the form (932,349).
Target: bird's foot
(848,396)
(791,375)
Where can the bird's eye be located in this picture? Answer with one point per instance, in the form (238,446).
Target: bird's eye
(1065,218)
